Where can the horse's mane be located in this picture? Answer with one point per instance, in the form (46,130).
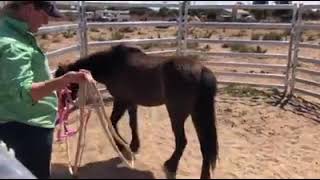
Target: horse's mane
(109,58)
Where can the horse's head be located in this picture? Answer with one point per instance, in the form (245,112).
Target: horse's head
(63,69)
(102,62)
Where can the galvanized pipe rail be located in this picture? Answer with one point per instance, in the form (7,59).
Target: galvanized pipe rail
(292,58)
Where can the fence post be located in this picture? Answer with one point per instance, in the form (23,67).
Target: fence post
(290,49)
(83,29)
(235,12)
(298,35)
(180,29)
(185,25)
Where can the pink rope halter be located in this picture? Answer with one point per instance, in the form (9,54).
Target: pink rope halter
(64,110)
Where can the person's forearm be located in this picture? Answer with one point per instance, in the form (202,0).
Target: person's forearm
(42,89)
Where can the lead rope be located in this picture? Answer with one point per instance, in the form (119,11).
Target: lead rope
(89,89)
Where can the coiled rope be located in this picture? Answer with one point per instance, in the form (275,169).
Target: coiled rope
(89,91)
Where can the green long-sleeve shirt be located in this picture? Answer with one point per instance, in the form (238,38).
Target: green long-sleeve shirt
(21,63)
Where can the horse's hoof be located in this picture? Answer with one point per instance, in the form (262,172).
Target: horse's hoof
(135,148)
(75,176)
(169,175)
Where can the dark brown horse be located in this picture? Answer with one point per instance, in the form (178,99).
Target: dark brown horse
(184,85)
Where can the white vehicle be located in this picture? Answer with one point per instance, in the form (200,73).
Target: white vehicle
(250,19)
(109,15)
(90,16)
(122,16)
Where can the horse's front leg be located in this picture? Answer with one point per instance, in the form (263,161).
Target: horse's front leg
(135,142)
(119,109)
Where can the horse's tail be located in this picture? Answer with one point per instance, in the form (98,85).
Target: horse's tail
(203,117)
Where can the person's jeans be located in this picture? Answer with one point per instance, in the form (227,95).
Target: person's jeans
(32,146)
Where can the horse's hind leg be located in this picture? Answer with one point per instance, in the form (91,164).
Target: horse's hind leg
(178,119)
(205,170)
(118,110)
(135,142)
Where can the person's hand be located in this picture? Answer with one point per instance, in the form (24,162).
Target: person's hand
(78,77)
(87,75)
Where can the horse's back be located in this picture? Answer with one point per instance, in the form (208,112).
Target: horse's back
(147,62)
(179,71)
(186,69)
(152,80)
(140,81)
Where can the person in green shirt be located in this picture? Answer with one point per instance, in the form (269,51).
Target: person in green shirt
(28,99)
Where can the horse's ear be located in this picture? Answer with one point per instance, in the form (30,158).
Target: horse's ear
(60,70)
(60,66)
(63,66)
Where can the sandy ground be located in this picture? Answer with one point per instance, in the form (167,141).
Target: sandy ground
(257,139)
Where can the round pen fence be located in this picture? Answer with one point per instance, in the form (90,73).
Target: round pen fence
(290,81)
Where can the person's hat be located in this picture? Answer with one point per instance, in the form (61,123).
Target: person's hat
(49,7)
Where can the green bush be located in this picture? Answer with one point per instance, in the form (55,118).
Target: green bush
(146,46)
(116,35)
(94,30)
(273,36)
(244,49)
(192,45)
(311,38)
(98,37)
(127,29)
(69,34)
(240,33)
(256,36)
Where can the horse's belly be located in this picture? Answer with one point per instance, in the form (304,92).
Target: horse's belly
(150,95)
(150,101)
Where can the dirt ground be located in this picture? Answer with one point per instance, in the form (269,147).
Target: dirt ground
(257,138)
